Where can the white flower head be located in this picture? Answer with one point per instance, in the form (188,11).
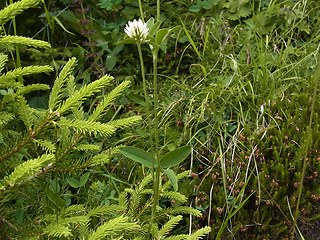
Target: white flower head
(137,30)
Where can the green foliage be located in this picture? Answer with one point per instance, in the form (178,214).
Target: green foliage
(109,5)
(78,215)
(26,171)
(175,157)
(236,83)
(112,227)
(125,219)
(233,9)
(139,156)
(172,213)
(26,132)
(16,8)
(11,41)
(170,159)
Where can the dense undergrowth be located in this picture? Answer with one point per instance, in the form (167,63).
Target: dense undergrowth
(224,119)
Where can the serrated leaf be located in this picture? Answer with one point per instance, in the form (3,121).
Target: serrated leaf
(174,157)
(139,155)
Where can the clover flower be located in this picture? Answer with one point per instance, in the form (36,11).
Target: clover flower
(137,30)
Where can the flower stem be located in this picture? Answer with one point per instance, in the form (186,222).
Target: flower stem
(143,74)
(156,133)
(141,11)
(158,10)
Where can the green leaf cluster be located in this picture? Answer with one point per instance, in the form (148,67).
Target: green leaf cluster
(127,219)
(170,159)
(232,9)
(35,141)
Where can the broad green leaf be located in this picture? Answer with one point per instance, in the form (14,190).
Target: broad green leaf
(84,178)
(110,61)
(173,29)
(73,182)
(161,34)
(195,8)
(139,155)
(153,30)
(19,214)
(79,183)
(55,198)
(150,23)
(173,179)
(174,157)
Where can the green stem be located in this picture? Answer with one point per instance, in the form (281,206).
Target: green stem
(141,11)
(146,99)
(56,173)
(156,137)
(158,10)
(309,138)
(156,133)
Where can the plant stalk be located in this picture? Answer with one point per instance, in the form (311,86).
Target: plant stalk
(156,133)
(156,137)
(158,10)
(146,99)
(141,11)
